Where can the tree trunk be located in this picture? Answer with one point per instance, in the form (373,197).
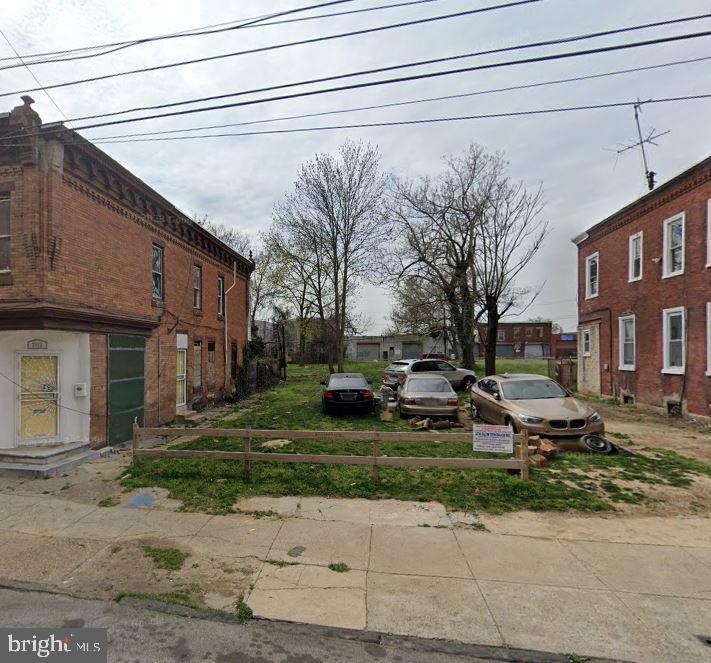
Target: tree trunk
(492,328)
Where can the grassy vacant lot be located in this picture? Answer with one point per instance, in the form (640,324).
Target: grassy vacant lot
(573,481)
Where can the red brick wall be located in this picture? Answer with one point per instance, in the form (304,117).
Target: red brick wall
(102,260)
(648,297)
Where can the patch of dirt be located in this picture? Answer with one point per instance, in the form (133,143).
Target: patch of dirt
(669,500)
(649,429)
(123,567)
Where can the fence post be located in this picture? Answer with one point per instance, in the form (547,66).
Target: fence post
(134,440)
(524,454)
(247,461)
(376,452)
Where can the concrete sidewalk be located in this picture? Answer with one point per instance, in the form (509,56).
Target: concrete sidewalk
(643,599)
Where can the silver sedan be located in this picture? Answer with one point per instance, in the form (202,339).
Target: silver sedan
(427,395)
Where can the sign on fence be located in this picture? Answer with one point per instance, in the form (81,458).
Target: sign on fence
(496,439)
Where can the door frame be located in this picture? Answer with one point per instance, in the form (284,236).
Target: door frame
(47,441)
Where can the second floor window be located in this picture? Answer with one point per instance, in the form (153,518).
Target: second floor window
(4,233)
(501,335)
(673,257)
(592,275)
(635,258)
(220,295)
(197,286)
(157,272)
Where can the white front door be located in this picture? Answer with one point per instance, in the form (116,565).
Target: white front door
(38,396)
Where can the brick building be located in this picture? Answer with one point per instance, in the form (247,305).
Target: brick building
(520,340)
(113,304)
(565,345)
(644,293)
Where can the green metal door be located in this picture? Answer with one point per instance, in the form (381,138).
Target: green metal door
(126,385)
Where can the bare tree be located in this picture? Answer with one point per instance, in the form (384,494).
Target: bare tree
(334,218)
(436,222)
(235,239)
(466,235)
(509,233)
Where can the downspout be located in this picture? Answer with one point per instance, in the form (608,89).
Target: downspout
(224,315)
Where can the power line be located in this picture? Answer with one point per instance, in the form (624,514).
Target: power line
(207,29)
(353,86)
(262,49)
(411,101)
(436,120)
(32,73)
(406,65)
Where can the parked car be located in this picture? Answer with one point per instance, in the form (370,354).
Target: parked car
(347,392)
(398,371)
(428,395)
(534,402)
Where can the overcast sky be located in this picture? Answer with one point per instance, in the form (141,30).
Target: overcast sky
(236,180)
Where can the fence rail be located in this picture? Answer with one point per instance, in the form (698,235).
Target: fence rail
(375,460)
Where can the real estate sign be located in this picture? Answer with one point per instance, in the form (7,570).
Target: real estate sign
(494,439)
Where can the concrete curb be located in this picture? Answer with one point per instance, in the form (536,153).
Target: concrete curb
(484,652)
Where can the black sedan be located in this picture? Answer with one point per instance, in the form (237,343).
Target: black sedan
(348,392)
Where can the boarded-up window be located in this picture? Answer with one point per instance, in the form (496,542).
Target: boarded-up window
(197,365)
(211,365)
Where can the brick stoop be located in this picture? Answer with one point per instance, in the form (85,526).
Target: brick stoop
(46,461)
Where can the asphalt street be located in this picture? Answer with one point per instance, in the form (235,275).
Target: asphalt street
(140,631)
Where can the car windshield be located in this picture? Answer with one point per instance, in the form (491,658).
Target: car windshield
(532,389)
(347,382)
(397,366)
(423,386)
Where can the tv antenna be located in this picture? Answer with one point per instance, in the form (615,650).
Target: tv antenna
(649,175)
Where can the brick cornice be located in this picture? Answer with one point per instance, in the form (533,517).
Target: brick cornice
(686,182)
(151,225)
(119,189)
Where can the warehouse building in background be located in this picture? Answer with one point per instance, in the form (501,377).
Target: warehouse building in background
(113,304)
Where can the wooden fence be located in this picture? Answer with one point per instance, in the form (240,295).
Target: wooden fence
(375,460)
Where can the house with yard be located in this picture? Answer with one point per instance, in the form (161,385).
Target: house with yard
(519,340)
(644,298)
(114,305)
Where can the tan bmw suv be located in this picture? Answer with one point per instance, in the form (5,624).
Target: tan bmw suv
(534,402)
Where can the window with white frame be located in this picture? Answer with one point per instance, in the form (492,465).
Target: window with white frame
(500,335)
(708,339)
(627,343)
(4,232)
(586,343)
(635,257)
(197,287)
(673,256)
(673,332)
(592,275)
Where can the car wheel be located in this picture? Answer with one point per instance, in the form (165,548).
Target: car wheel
(467,383)
(474,411)
(598,444)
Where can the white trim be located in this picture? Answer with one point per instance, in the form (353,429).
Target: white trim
(630,257)
(708,232)
(665,245)
(621,342)
(587,333)
(588,260)
(708,339)
(666,314)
